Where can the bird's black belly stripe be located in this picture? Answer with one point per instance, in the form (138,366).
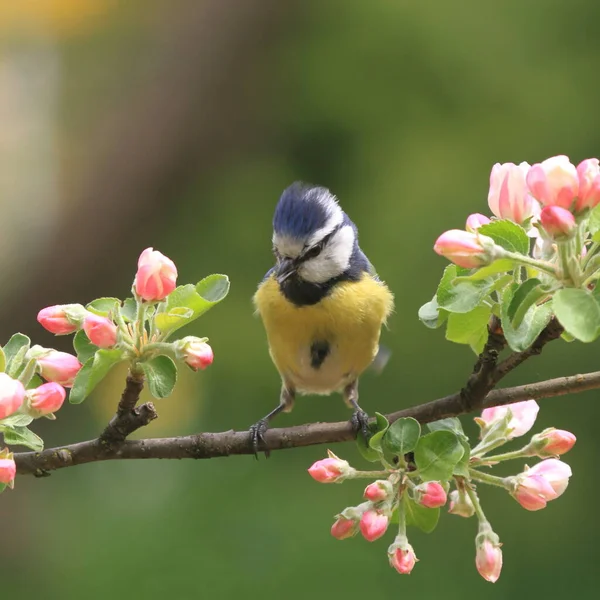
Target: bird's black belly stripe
(318,353)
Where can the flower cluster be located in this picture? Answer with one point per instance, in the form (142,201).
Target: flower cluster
(546,198)
(537,257)
(107,331)
(141,327)
(418,471)
(24,396)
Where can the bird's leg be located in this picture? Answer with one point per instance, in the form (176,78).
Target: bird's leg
(360,419)
(258,430)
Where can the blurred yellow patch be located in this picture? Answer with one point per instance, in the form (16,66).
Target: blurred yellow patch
(60,17)
(175,413)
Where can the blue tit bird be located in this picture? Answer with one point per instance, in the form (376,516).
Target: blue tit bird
(322,304)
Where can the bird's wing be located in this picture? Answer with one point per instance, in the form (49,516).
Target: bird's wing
(268,274)
(367,265)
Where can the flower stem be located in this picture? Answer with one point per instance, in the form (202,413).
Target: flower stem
(369,474)
(522,453)
(476,505)
(140,325)
(401,518)
(483,447)
(590,255)
(532,262)
(486,478)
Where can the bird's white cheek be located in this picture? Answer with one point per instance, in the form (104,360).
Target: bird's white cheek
(334,259)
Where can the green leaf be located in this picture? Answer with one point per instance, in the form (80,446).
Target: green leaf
(83,347)
(188,302)
(382,425)
(2,361)
(509,235)
(525,296)
(16,419)
(417,515)
(213,288)
(21,436)
(129,310)
(92,373)
(498,266)
(365,450)
(103,306)
(161,374)
(469,328)
(535,319)
(462,466)
(3,486)
(461,297)
(452,424)
(15,350)
(431,315)
(437,454)
(578,312)
(402,436)
(594,220)
(34,382)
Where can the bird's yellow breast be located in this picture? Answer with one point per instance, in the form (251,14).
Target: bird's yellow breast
(349,319)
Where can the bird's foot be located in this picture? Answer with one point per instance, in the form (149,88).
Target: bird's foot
(257,437)
(360,424)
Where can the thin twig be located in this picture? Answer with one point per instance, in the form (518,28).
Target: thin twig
(482,380)
(551,332)
(128,417)
(227,443)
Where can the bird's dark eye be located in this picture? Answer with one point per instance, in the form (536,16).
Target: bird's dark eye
(314,251)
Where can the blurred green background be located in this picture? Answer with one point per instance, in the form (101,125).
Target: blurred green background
(176,124)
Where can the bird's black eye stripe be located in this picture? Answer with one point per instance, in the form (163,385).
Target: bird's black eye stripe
(313,252)
(316,250)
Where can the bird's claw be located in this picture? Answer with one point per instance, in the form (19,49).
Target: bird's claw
(360,424)
(257,437)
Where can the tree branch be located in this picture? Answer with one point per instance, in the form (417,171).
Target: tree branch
(227,443)
(476,394)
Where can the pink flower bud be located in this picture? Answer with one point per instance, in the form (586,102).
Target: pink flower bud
(523,417)
(46,399)
(402,557)
(509,197)
(553,442)
(344,528)
(475,221)
(468,250)
(431,494)
(8,470)
(460,504)
(100,330)
(330,470)
(195,352)
(56,320)
(156,276)
(543,482)
(12,394)
(554,182)
(378,490)
(558,222)
(488,558)
(588,172)
(373,524)
(59,367)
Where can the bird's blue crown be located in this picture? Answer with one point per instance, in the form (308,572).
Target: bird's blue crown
(303,209)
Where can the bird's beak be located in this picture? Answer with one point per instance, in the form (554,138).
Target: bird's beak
(286,267)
